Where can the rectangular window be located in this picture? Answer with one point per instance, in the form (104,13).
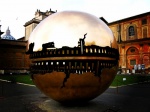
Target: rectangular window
(67,51)
(91,50)
(76,51)
(144,21)
(63,52)
(72,51)
(133,62)
(87,50)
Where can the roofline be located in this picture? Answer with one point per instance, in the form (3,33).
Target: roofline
(129,18)
(137,40)
(104,20)
(21,39)
(9,43)
(32,21)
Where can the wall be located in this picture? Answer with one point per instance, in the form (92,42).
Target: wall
(133,48)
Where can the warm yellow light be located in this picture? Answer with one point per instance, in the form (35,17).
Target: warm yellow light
(65,29)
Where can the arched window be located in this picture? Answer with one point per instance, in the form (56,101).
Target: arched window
(132,51)
(131,31)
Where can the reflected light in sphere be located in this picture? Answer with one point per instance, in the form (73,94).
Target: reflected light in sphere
(65,28)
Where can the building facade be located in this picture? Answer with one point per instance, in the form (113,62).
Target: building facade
(13,58)
(133,37)
(39,16)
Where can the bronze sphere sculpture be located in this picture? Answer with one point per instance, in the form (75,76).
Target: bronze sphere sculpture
(74,56)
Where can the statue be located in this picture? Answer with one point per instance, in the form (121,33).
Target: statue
(31,46)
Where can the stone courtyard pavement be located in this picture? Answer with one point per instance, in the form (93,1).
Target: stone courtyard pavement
(25,98)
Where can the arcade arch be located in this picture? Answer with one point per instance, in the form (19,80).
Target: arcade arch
(133,57)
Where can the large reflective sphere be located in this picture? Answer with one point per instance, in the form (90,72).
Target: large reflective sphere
(74,56)
(65,29)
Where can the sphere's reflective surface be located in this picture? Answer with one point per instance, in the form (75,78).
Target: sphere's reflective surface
(65,29)
(74,73)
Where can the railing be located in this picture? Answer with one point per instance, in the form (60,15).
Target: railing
(76,51)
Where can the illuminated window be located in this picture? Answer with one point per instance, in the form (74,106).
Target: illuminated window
(67,51)
(76,51)
(99,51)
(72,51)
(91,50)
(63,52)
(95,50)
(87,50)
